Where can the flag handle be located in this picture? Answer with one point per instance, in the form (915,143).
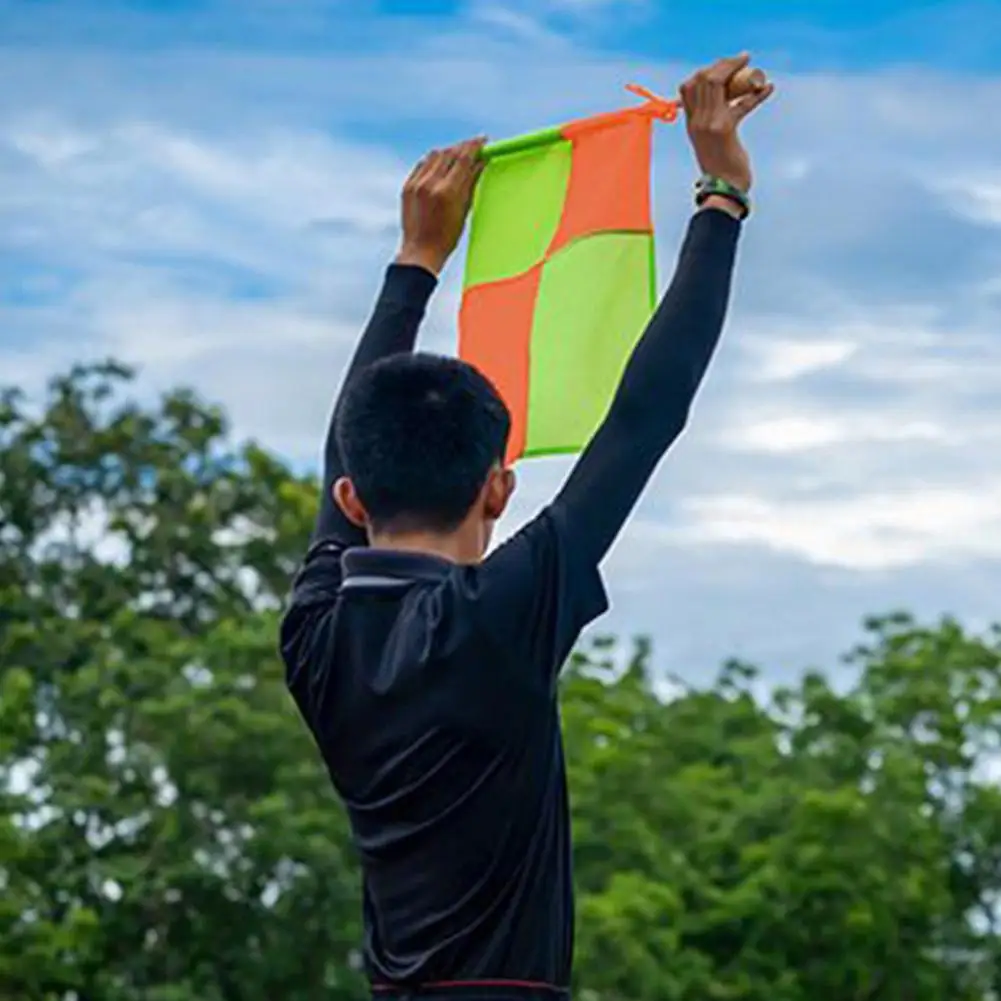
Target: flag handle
(653,106)
(744,81)
(519,144)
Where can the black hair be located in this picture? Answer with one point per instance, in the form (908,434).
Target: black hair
(418,435)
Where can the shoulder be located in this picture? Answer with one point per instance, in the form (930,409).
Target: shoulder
(314,591)
(542,560)
(320,573)
(534,594)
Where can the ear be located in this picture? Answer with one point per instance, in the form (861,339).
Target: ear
(346,498)
(497,493)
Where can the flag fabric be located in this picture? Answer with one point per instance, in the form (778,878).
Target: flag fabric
(560,275)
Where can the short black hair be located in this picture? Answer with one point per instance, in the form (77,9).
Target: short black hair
(418,435)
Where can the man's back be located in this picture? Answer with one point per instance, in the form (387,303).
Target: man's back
(444,743)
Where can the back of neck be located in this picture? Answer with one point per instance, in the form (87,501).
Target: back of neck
(457,547)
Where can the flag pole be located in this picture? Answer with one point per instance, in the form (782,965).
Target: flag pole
(519,144)
(653,107)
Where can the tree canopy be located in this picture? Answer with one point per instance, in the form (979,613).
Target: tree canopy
(167,831)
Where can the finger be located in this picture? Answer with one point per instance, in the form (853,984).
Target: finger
(444,163)
(416,169)
(743,106)
(723,69)
(443,166)
(467,152)
(687,92)
(693,93)
(704,98)
(474,176)
(466,165)
(425,167)
(463,156)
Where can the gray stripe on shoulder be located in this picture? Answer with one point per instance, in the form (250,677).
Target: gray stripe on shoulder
(373,582)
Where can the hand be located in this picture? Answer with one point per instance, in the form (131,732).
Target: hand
(436,201)
(712,120)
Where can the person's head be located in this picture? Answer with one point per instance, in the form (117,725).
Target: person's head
(423,439)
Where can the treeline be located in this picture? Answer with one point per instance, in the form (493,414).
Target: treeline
(167,832)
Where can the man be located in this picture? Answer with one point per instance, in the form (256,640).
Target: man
(426,672)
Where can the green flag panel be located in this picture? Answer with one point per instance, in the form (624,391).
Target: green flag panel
(595,298)
(517,210)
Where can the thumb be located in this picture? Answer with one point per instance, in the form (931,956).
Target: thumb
(743,106)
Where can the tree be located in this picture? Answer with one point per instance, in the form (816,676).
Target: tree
(167,832)
(822,845)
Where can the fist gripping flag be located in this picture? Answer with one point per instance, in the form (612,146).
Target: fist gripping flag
(560,275)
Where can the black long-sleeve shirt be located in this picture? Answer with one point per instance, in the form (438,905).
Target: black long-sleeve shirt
(429,687)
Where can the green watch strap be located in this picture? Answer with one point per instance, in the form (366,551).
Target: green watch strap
(708,185)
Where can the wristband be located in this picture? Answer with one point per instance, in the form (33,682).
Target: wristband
(707,185)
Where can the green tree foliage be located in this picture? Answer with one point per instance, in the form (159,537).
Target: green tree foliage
(167,832)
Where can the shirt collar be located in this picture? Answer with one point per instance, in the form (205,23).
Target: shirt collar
(391,568)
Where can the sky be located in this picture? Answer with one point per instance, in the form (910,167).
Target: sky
(209,190)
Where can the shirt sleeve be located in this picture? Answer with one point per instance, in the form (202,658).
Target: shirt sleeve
(314,591)
(392,329)
(535,594)
(651,406)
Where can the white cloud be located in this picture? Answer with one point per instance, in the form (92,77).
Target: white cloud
(136,187)
(514,13)
(977,197)
(780,360)
(589,6)
(513,22)
(796,434)
(146,216)
(865,531)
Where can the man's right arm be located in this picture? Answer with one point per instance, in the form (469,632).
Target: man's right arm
(542,587)
(651,406)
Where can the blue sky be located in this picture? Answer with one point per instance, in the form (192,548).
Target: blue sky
(808,34)
(209,189)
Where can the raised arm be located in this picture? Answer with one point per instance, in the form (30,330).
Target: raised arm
(435,203)
(651,406)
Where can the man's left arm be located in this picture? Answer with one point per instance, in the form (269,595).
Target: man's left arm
(435,203)
(436,200)
(391,330)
